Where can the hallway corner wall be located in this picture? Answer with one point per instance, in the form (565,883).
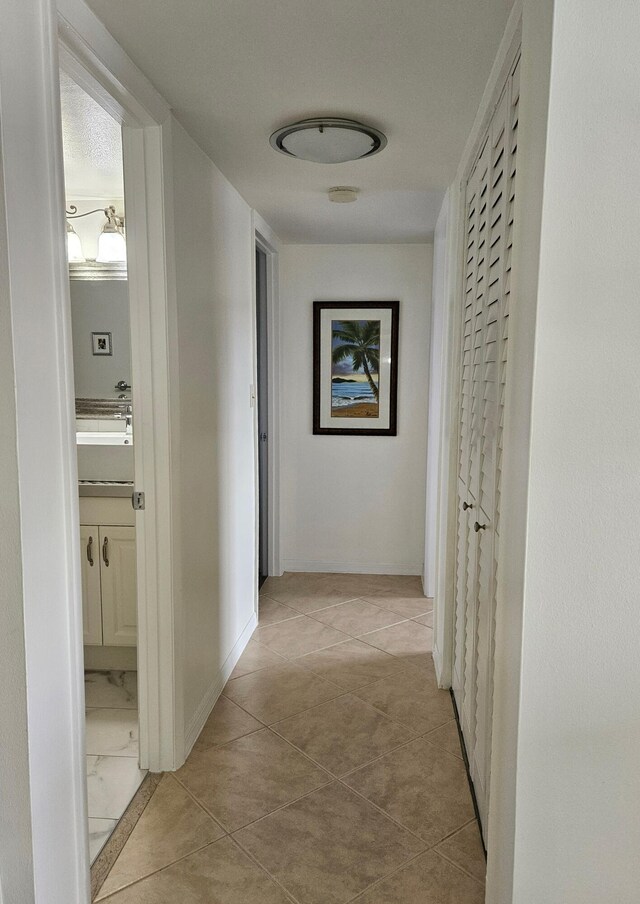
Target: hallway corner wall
(214,248)
(354,503)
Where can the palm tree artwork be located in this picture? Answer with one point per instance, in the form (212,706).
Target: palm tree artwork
(355,353)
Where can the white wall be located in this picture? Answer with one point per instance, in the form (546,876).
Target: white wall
(353,503)
(214,273)
(578,788)
(438,335)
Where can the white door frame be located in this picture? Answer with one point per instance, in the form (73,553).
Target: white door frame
(148,204)
(267,241)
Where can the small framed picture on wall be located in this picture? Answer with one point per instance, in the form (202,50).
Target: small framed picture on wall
(355,367)
(101,344)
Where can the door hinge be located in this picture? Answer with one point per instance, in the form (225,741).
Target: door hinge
(137,500)
(263,437)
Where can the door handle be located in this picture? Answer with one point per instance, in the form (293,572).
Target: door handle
(478,527)
(466,505)
(90,551)
(105,551)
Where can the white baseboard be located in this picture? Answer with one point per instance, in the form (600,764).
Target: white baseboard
(437,661)
(347,568)
(215,689)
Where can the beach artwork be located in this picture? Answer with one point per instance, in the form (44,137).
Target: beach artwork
(355,368)
(355,365)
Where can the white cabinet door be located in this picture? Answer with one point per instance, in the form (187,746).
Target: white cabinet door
(91,602)
(119,592)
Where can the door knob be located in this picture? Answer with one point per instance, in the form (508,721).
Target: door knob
(478,527)
(466,505)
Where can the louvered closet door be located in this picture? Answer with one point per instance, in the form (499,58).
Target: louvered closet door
(490,199)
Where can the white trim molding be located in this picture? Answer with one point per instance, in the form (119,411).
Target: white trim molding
(409,568)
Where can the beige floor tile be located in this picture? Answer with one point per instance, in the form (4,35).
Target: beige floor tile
(219,874)
(271,612)
(343,733)
(357,617)
(254,658)
(249,778)
(352,664)
(425,619)
(226,723)
(407,640)
(465,850)
(446,737)
(404,600)
(307,592)
(276,693)
(329,846)
(298,636)
(421,786)
(171,826)
(428,879)
(363,584)
(411,698)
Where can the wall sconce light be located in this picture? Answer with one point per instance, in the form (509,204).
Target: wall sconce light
(112,247)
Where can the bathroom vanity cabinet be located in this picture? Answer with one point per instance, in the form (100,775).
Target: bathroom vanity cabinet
(108,549)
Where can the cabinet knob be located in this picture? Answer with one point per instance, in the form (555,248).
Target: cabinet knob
(466,505)
(478,527)
(105,552)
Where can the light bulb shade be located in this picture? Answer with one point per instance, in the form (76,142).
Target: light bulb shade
(74,246)
(328,140)
(112,247)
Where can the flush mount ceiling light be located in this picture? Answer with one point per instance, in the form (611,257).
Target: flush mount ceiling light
(328,140)
(343,194)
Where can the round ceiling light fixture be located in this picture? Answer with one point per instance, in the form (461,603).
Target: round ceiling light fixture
(328,140)
(343,194)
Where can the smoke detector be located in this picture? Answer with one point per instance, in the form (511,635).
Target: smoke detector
(328,140)
(343,194)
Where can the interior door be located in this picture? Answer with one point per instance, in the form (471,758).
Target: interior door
(489,210)
(263,414)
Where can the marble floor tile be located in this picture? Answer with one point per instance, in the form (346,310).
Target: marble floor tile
(255,657)
(226,723)
(447,737)
(343,733)
(421,786)
(171,826)
(464,849)
(271,612)
(113,690)
(249,778)
(329,846)
(403,600)
(407,640)
(111,783)
(429,879)
(411,698)
(352,664)
(298,636)
(112,732)
(356,617)
(275,693)
(99,833)
(219,874)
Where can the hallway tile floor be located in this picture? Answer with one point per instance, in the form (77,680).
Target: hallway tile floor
(329,771)
(113,776)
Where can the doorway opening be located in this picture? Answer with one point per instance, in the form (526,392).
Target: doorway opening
(262,341)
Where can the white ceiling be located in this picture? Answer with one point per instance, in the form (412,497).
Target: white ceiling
(92,144)
(235,70)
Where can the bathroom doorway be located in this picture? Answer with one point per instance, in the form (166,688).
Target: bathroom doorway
(262,337)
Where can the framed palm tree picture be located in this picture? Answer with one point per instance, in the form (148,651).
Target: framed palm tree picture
(355,367)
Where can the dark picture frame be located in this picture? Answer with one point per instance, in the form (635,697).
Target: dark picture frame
(326,417)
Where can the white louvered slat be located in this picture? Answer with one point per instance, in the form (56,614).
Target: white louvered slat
(487,286)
